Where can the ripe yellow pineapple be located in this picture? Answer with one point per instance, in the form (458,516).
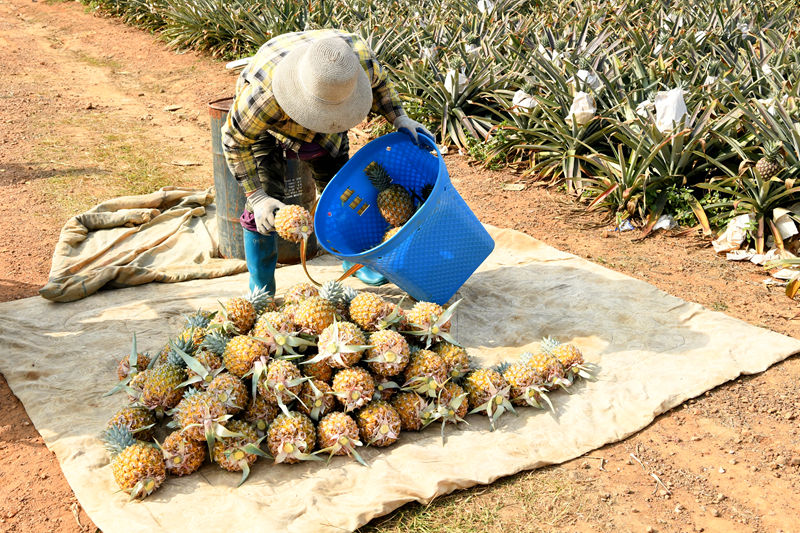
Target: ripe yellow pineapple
(124,369)
(389,354)
(238,449)
(316,399)
(353,387)
(455,357)
(314,314)
(426,373)
(277,320)
(391,232)
(199,414)
(366,310)
(162,385)
(488,391)
(431,322)
(241,353)
(138,420)
(341,345)
(182,455)
(453,402)
(379,424)
(138,467)
(291,438)
(412,409)
(211,364)
(238,315)
(394,201)
(299,292)
(320,370)
(260,413)
(337,434)
(547,366)
(528,386)
(231,391)
(294,223)
(569,356)
(281,384)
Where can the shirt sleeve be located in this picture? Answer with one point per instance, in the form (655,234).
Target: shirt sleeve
(250,116)
(385,100)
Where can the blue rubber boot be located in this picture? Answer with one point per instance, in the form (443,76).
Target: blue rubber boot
(261,255)
(366,275)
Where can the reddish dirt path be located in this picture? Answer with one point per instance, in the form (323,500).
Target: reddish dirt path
(730,460)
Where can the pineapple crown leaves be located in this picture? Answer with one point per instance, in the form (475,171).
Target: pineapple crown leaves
(279,342)
(532,394)
(289,448)
(116,438)
(434,332)
(449,413)
(772,150)
(348,293)
(334,349)
(280,388)
(496,405)
(315,410)
(215,342)
(252,448)
(333,291)
(378,176)
(260,298)
(343,443)
(191,362)
(548,344)
(424,385)
(198,319)
(501,367)
(256,373)
(178,348)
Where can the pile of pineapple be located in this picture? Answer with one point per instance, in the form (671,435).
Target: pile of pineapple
(314,374)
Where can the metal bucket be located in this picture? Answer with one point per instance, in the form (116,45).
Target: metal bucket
(230,199)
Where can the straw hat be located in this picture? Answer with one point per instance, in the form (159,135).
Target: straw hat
(322,86)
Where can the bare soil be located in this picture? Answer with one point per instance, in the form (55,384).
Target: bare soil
(91,109)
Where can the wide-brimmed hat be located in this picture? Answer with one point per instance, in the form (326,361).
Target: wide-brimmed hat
(322,86)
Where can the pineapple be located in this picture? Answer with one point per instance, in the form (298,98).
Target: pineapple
(136,385)
(210,365)
(488,391)
(426,373)
(394,202)
(182,455)
(291,438)
(569,356)
(340,344)
(379,424)
(430,322)
(337,434)
(162,388)
(339,295)
(412,409)
(455,357)
(299,292)
(391,232)
(528,386)
(384,390)
(770,165)
(126,370)
(279,334)
(238,449)
(138,468)
(195,327)
(231,391)
(367,309)
(294,223)
(316,399)
(260,413)
(391,316)
(353,387)
(451,406)
(281,384)
(272,320)
(548,367)
(138,420)
(314,314)
(199,415)
(389,353)
(239,314)
(242,352)
(320,370)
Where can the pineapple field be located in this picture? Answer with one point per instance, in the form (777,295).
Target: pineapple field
(733,153)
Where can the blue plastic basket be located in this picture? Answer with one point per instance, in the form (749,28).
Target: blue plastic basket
(435,252)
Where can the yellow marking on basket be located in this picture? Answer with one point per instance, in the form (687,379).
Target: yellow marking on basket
(346,195)
(355,202)
(363,208)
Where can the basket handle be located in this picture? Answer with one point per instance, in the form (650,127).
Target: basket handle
(350,271)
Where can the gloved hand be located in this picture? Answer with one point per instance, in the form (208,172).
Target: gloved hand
(411,127)
(264,208)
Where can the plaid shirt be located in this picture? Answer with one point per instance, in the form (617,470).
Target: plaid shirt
(255,111)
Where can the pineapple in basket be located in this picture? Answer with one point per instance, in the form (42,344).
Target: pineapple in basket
(138,467)
(394,201)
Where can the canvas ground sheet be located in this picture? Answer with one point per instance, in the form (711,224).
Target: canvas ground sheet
(652,351)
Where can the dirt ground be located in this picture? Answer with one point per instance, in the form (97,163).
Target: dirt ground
(91,109)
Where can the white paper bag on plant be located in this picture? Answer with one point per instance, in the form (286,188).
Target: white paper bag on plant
(450,80)
(485,6)
(784,223)
(588,78)
(644,108)
(670,109)
(582,110)
(522,101)
(552,56)
(734,235)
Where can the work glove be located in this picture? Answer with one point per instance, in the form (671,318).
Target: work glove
(411,128)
(264,208)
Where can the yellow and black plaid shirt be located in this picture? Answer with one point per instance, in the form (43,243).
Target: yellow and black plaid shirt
(255,111)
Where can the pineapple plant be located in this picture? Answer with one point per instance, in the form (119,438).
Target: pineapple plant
(260,413)
(341,345)
(231,391)
(549,367)
(366,310)
(294,223)
(379,424)
(281,383)
(528,386)
(291,438)
(569,356)
(394,201)
(430,322)
(238,449)
(316,399)
(389,353)
(299,292)
(314,314)
(182,455)
(412,409)
(199,416)
(488,391)
(425,373)
(138,467)
(455,357)
(337,434)
(770,165)
(353,387)
(138,420)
